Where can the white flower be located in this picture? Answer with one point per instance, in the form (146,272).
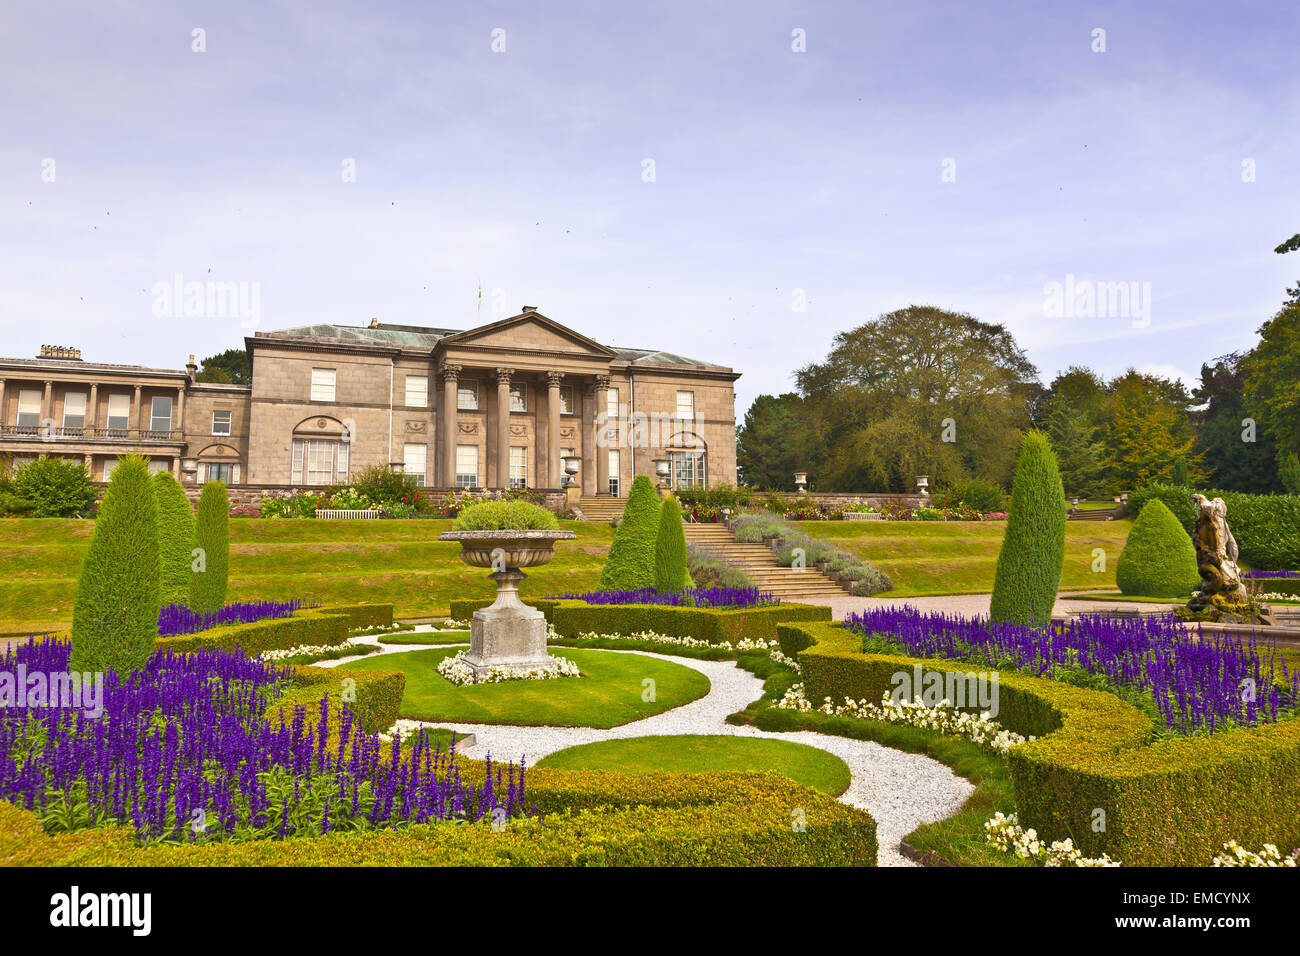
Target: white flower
(457,671)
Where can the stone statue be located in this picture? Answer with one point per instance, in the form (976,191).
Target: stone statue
(1216,557)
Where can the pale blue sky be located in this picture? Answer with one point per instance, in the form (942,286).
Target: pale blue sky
(775,171)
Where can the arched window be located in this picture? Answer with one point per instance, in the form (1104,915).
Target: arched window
(688,458)
(321,447)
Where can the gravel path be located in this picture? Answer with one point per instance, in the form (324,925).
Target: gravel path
(900,790)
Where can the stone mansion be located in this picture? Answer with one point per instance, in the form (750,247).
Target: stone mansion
(493,407)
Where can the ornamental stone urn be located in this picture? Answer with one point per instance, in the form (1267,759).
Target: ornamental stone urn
(509,633)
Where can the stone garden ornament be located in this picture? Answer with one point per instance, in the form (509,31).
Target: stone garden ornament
(1216,560)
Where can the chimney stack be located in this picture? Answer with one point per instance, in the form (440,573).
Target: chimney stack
(66,352)
(530,308)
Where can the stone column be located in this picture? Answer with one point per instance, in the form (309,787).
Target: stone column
(450,399)
(47,410)
(3,418)
(553,466)
(176,467)
(137,411)
(503,426)
(180,419)
(92,409)
(601,450)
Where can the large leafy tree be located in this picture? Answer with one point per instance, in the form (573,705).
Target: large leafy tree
(231,367)
(894,390)
(1273,378)
(1149,431)
(1231,459)
(777,438)
(1079,456)
(1291,245)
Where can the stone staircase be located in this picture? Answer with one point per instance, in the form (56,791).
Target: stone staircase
(601,508)
(758,561)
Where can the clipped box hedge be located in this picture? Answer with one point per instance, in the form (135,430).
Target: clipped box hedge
(312,627)
(586,819)
(1287,586)
(373,696)
(1167,802)
(714,625)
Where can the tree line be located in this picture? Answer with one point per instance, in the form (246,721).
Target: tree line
(926,391)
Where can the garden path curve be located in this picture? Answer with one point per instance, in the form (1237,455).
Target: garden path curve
(900,790)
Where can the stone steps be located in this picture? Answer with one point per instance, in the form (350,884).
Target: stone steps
(758,561)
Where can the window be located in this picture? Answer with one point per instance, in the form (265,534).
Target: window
(221,422)
(467,466)
(319,462)
(611,404)
(74,412)
(158,465)
(687,469)
(322,384)
(110,464)
(417,391)
(613,471)
(686,405)
(219,471)
(518,467)
(160,414)
(414,457)
(519,397)
(29,408)
(566,400)
(467,396)
(119,414)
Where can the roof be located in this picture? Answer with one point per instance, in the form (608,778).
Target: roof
(78,365)
(659,357)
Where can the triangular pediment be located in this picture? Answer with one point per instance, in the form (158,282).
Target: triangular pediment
(530,331)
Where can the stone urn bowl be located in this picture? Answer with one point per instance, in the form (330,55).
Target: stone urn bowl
(509,633)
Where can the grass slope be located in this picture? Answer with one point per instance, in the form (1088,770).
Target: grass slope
(608,694)
(960,557)
(397,562)
(691,753)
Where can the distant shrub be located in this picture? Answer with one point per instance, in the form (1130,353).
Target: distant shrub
(1033,548)
(708,570)
(11,506)
(58,488)
(506,516)
(1267,527)
(1159,559)
(383,485)
(115,612)
(175,539)
(671,573)
(982,496)
(631,561)
(1289,473)
(212,538)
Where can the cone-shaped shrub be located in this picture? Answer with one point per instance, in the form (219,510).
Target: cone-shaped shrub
(1159,559)
(210,567)
(631,561)
(671,573)
(1033,549)
(175,538)
(115,613)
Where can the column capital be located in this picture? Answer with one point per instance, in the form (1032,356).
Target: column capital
(450,371)
(602,382)
(504,375)
(553,379)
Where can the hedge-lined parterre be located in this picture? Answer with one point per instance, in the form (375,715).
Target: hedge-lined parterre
(1096,773)
(310,626)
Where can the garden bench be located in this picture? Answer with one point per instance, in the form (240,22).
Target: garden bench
(346,513)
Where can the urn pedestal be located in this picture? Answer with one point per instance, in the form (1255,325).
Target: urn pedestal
(508,633)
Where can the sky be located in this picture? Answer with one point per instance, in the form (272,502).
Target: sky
(733,181)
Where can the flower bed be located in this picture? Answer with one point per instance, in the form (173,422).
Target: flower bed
(1196,681)
(716,597)
(310,626)
(177,619)
(456,670)
(1168,801)
(1271,574)
(233,774)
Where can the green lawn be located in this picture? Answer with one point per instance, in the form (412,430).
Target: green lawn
(609,692)
(426,637)
(698,754)
(959,557)
(397,562)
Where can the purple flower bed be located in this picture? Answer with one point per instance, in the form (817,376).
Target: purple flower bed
(1196,681)
(1271,574)
(177,619)
(719,597)
(187,733)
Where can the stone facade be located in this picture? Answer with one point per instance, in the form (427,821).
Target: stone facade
(485,408)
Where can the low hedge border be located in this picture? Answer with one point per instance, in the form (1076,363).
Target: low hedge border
(714,625)
(1166,802)
(313,627)
(373,696)
(607,819)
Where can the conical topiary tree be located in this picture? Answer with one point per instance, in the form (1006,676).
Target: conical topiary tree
(631,561)
(176,528)
(1033,549)
(1159,559)
(671,573)
(115,613)
(211,566)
